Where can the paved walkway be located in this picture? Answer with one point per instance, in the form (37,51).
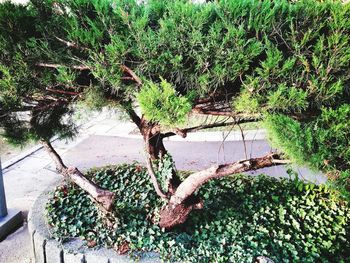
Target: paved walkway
(106,140)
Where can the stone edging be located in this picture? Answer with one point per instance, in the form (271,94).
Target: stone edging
(48,250)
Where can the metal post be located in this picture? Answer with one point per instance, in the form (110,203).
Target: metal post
(3,207)
(10,219)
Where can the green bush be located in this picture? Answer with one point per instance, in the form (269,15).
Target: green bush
(323,143)
(243,217)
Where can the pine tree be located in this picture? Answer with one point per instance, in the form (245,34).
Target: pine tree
(283,62)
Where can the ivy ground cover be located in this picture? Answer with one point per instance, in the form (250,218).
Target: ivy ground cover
(243,217)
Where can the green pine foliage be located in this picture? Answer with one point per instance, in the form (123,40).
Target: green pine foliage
(162,103)
(323,143)
(288,57)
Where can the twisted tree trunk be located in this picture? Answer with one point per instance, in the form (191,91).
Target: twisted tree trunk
(155,148)
(180,196)
(182,202)
(103,197)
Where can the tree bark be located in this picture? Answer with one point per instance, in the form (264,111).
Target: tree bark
(154,180)
(103,197)
(182,201)
(155,145)
(183,132)
(150,169)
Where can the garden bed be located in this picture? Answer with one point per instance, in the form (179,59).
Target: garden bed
(47,249)
(243,217)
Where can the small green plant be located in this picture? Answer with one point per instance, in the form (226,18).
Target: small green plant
(246,103)
(243,216)
(161,103)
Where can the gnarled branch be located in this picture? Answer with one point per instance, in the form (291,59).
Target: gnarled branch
(182,202)
(196,180)
(183,132)
(101,196)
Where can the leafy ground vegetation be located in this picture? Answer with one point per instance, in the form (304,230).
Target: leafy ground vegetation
(243,216)
(285,63)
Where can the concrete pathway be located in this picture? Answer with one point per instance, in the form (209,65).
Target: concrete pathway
(106,140)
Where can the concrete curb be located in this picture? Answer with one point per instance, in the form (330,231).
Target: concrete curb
(21,156)
(48,250)
(249,135)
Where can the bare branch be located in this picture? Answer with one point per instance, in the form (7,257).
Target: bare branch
(101,196)
(212,112)
(151,172)
(124,68)
(183,132)
(202,101)
(132,114)
(63,92)
(196,180)
(276,161)
(71,44)
(60,166)
(243,139)
(132,74)
(212,125)
(55,66)
(127,78)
